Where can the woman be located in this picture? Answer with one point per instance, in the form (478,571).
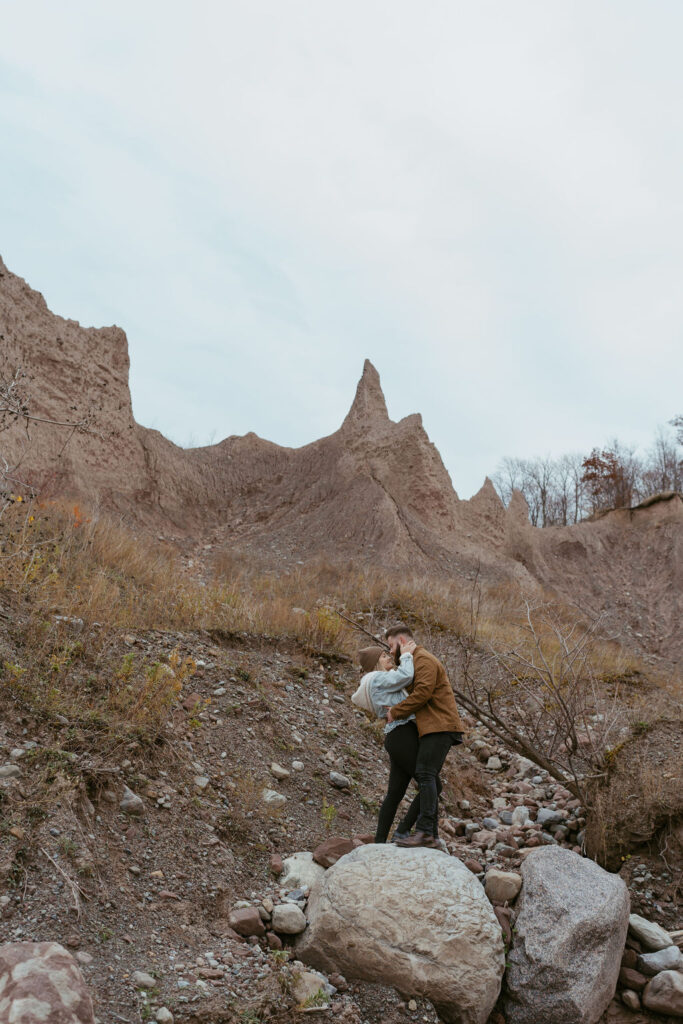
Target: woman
(382,686)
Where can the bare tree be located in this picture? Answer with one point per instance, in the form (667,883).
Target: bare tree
(540,697)
(663,469)
(564,490)
(677,424)
(509,477)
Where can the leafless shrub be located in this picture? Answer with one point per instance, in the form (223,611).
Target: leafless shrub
(541,696)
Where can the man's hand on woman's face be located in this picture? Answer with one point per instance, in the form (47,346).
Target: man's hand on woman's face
(408,646)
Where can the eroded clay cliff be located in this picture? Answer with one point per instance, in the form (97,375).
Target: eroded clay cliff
(375,491)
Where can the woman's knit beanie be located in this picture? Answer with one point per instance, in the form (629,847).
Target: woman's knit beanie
(369,657)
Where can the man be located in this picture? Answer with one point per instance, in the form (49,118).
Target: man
(430,699)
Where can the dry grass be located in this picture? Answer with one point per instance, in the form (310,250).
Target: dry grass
(77,582)
(641,795)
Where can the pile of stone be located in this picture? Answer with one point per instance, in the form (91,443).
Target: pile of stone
(279,917)
(528,810)
(651,974)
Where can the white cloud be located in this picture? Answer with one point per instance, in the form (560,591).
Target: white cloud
(481,198)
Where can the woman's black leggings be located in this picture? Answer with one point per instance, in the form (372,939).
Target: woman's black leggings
(401,744)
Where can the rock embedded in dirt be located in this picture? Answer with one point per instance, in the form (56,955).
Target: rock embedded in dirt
(288,919)
(367,917)
(664,994)
(276,864)
(278,771)
(163,1015)
(272,798)
(339,781)
(300,871)
(246,921)
(502,886)
(298,766)
(668,959)
(39,982)
(570,930)
(329,852)
(649,935)
(307,986)
(141,979)
(131,803)
(10,771)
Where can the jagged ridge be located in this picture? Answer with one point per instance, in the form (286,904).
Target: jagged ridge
(374,491)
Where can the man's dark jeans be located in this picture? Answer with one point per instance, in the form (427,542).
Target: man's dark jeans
(431,755)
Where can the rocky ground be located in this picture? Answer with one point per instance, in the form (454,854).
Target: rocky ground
(135,861)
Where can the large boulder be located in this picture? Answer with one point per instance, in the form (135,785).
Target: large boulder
(569,936)
(414,919)
(40,982)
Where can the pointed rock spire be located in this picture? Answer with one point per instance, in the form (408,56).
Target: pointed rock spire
(487,496)
(369,406)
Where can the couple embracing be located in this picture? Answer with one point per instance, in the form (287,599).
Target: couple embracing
(416,700)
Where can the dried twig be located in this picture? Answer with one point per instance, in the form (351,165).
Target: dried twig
(75,888)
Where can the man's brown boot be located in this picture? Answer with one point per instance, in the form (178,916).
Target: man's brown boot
(418,839)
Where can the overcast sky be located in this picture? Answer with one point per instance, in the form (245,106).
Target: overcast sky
(484,198)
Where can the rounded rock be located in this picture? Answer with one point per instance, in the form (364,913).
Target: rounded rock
(288,919)
(502,886)
(141,979)
(649,934)
(664,994)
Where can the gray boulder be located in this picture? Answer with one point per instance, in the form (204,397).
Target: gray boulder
(569,937)
(413,919)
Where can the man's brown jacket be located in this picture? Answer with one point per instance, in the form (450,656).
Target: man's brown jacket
(430,697)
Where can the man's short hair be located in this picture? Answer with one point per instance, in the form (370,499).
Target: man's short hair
(398,631)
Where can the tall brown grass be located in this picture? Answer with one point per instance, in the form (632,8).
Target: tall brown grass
(61,566)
